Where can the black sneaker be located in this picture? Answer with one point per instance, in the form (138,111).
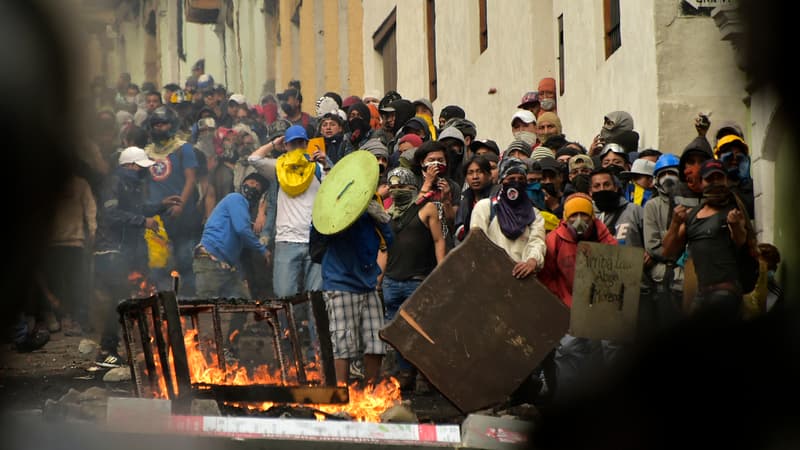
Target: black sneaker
(109,360)
(33,340)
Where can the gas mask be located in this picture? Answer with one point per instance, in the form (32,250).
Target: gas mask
(667,184)
(580,227)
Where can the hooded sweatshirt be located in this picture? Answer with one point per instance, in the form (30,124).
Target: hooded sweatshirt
(558,272)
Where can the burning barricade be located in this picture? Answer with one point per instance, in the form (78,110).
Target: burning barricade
(178,351)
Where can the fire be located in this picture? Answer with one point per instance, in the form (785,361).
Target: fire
(140,286)
(366,403)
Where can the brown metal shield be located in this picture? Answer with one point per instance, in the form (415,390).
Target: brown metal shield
(605,293)
(474,330)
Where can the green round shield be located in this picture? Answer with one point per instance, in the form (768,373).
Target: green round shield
(345,192)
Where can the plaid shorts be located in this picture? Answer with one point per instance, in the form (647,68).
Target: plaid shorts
(354,322)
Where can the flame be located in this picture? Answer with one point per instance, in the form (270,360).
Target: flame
(140,286)
(174,274)
(366,403)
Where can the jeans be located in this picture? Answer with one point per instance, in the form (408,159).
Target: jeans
(111,286)
(183,253)
(292,264)
(214,281)
(394,294)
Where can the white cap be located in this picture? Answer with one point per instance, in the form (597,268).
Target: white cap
(135,155)
(524,115)
(239,99)
(641,167)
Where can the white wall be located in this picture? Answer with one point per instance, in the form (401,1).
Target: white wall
(375,12)
(594,85)
(512,64)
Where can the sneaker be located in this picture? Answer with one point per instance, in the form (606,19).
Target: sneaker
(356,369)
(109,360)
(71,327)
(53,325)
(34,340)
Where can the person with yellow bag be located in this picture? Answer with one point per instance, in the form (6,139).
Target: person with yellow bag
(120,249)
(299,176)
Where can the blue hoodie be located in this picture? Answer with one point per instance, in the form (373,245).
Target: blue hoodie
(350,261)
(229,229)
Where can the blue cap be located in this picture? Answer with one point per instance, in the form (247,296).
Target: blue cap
(294,133)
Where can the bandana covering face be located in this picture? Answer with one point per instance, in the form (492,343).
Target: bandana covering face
(295,172)
(402,199)
(514,210)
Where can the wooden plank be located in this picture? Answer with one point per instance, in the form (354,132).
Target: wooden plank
(180,360)
(605,293)
(475,331)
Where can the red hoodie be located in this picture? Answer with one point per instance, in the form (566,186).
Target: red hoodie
(559,261)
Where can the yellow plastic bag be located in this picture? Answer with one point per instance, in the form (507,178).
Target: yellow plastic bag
(157,245)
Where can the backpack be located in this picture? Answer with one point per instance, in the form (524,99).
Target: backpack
(317,245)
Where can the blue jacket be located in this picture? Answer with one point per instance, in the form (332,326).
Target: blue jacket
(229,229)
(350,261)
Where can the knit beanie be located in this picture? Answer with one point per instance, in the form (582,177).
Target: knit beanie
(552,118)
(541,152)
(578,202)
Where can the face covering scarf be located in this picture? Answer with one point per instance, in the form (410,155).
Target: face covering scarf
(514,210)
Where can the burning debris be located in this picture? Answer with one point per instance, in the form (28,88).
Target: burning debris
(176,357)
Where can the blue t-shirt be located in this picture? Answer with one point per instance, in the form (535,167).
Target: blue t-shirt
(167,177)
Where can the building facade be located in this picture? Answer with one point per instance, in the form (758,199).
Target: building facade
(663,61)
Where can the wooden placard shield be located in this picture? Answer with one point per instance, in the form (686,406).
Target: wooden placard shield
(474,330)
(605,292)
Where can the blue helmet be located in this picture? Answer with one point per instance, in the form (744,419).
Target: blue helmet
(666,161)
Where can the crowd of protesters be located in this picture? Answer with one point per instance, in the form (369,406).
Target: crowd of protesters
(204,182)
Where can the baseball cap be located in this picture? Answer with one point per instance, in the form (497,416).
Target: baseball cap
(135,155)
(294,133)
(528,98)
(550,163)
(523,115)
(239,99)
(583,160)
(640,167)
(710,167)
(488,143)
